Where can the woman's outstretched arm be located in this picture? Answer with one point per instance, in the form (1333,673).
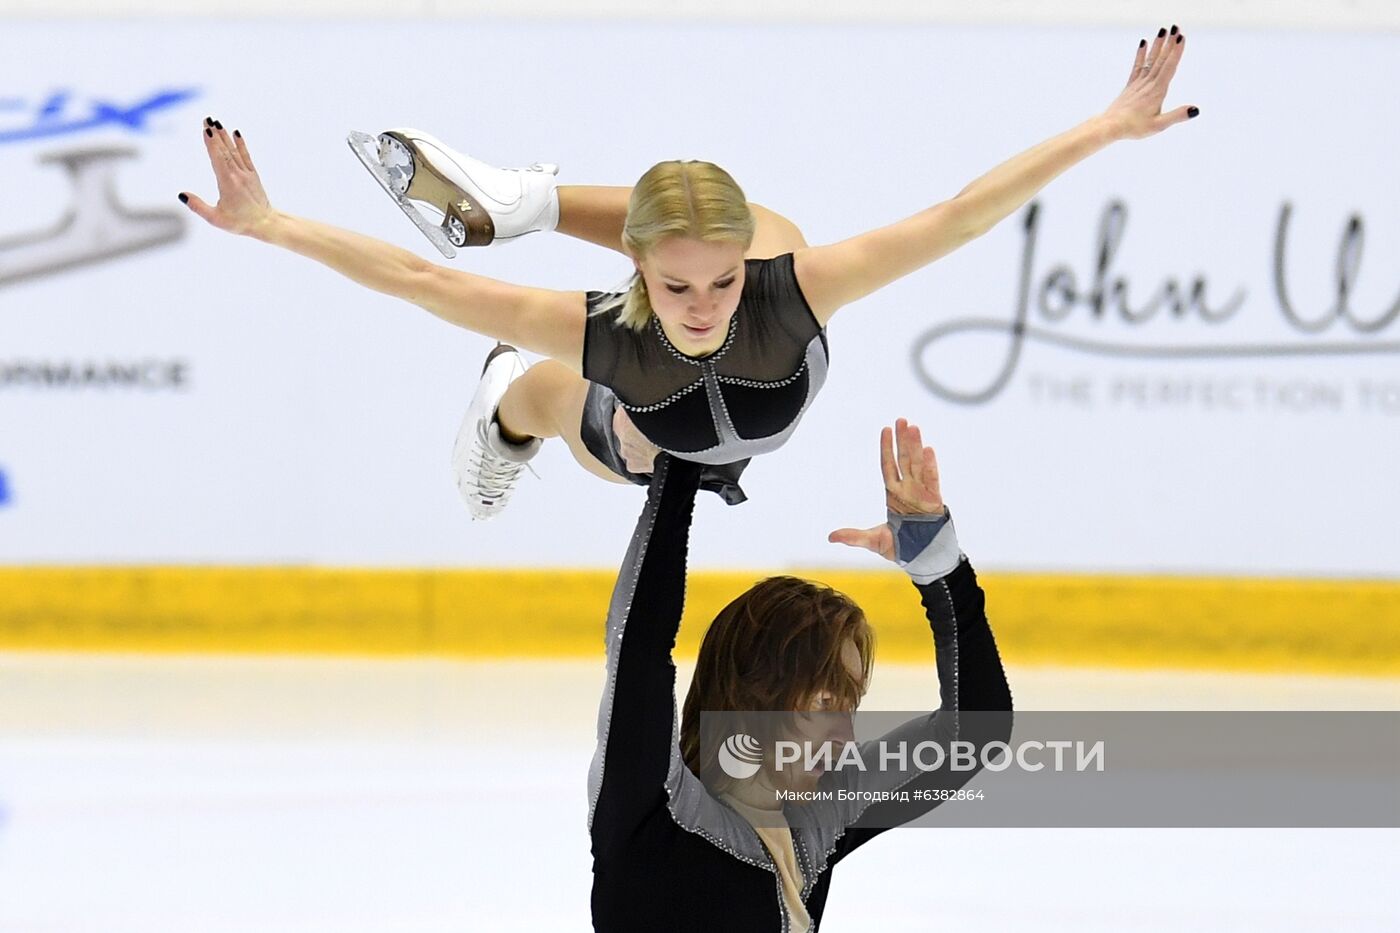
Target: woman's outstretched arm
(835,275)
(536,319)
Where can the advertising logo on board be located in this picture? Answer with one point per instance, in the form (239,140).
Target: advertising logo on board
(1057,309)
(148,374)
(97,225)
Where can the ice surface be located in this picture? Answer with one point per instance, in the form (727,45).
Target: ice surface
(227,794)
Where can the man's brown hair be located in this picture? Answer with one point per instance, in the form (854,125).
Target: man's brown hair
(775,647)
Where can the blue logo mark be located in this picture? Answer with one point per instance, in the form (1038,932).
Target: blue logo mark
(4,490)
(59,116)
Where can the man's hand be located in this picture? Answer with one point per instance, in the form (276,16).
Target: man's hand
(638,452)
(911,488)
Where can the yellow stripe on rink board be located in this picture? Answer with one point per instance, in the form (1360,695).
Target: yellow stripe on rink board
(1311,626)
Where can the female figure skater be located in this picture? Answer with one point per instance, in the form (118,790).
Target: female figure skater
(718,346)
(674,849)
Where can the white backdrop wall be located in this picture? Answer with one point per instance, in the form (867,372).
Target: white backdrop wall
(1367,15)
(281,414)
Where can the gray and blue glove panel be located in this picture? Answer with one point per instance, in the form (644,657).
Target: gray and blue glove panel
(925,545)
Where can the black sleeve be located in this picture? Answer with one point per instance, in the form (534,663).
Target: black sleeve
(782,296)
(637,718)
(972,688)
(600,347)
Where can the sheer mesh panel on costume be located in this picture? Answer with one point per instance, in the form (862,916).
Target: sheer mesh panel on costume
(636,365)
(763,377)
(774,326)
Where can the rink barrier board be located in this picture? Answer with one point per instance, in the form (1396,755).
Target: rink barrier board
(1316,626)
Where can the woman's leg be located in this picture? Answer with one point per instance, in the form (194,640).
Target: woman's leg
(548,402)
(593,213)
(596,214)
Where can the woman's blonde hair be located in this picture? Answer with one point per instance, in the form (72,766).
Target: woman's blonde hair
(691,199)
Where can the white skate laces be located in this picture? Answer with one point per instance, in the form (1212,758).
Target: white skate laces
(493,467)
(485,465)
(478,203)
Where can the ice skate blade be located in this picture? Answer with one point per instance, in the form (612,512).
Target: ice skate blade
(366,149)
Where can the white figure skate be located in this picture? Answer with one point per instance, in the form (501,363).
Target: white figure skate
(478,203)
(486,465)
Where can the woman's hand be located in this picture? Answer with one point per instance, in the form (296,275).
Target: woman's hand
(911,488)
(638,452)
(243,207)
(1137,112)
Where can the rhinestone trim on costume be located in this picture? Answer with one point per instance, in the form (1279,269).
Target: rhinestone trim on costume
(697,361)
(755,384)
(643,409)
(731,380)
(614,631)
(956,711)
(816,353)
(770,866)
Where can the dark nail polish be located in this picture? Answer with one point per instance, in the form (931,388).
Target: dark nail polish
(218,125)
(1178,39)
(1173,30)
(1161,32)
(184,198)
(1142,44)
(237,134)
(208,132)
(208,121)
(1193,111)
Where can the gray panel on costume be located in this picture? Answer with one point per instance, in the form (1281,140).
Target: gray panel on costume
(691,805)
(731,446)
(696,810)
(618,609)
